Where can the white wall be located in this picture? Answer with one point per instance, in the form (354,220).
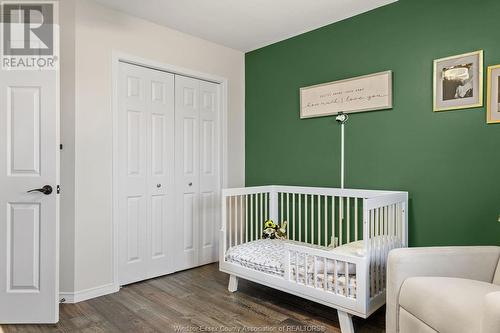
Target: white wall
(99,31)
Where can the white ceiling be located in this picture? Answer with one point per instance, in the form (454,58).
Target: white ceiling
(244,25)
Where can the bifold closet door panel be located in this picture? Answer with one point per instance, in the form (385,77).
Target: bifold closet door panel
(209,172)
(197,170)
(187,170)
(146,172)
(161,184)
(133,204)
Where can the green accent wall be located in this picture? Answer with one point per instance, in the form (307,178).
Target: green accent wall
(449,162)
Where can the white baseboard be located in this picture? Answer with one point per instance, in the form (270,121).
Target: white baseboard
(83,295)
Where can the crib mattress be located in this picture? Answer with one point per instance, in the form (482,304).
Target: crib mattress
(268,256)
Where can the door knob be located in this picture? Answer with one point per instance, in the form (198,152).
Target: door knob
(158,185)
(47,189)
(190,184)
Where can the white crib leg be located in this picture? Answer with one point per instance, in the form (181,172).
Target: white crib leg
(345,320)
(233,283)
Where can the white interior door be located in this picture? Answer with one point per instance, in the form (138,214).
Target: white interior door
(29,226)
(209,172)
(197,170)
(146,167)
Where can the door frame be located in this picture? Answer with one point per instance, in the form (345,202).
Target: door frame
(117,57)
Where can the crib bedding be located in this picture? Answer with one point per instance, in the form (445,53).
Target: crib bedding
(268,256)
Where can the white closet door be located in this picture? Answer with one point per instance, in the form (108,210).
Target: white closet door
(187,169)
(209,172)
(197,171)
(146,180)
(162,174)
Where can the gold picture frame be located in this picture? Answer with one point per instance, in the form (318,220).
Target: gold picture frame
(492,113)
(465,74)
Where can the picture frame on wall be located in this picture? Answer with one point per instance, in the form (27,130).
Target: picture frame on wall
(493,96)
(458,82)
(370,92)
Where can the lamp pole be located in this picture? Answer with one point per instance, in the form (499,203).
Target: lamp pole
(342,119)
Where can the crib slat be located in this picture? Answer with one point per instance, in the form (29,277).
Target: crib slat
(251,225)
(346,276)
(333,221)
(236,220)
(257,216)
(266,201)
(296,267)
(315,275)
(230,215)
(341,219)
(300,217)
(335,277)
(319,220)
(246,218)
(372,221)
(293,217)
(305,268)
(386,208)
(262,218)
(378,264)
(325,275)
(398,221)
(306,217)
(287,265)
(377,221)
(312,219)
(241,220)
(326,220)
(393,219)
(356,219)
(281,207)
(261,215)
(348,219)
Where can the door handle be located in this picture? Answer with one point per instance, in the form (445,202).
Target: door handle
(190,184)
(47,189)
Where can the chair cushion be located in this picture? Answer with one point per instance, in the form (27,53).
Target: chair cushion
(408,323)
(446,304)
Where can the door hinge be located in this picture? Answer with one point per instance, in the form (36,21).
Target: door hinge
(58,189)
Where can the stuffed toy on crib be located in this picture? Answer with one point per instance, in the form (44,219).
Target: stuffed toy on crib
(273,230)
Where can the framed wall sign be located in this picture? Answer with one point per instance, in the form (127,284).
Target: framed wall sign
(458,82)
(364,93)
(493,94)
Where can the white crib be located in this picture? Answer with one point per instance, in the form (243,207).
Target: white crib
(364,225)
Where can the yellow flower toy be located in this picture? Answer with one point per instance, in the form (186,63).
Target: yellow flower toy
(273,230)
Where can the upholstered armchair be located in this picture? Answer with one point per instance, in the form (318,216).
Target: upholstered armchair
(443,289)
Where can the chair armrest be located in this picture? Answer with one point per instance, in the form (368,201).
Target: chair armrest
(490,320)
(459,262)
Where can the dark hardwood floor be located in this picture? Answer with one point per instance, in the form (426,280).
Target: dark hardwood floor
(197,300)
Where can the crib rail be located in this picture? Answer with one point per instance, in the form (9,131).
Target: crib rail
(386,227)
(318,216)
(325,270)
